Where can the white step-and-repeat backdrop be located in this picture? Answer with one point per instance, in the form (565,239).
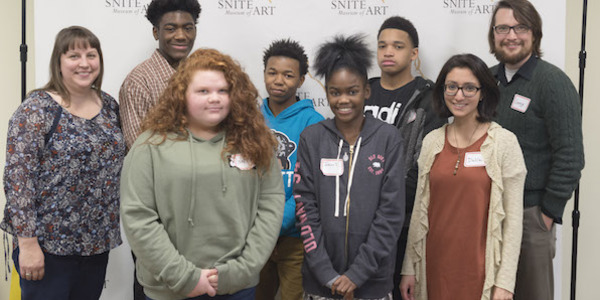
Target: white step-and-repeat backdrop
(244,28)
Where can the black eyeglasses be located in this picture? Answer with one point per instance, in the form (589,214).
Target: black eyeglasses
(505,29)
(468,90)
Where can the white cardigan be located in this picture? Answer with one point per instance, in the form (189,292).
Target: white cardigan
(506,167)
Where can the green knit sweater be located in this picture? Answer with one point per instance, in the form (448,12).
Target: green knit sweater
(546,118)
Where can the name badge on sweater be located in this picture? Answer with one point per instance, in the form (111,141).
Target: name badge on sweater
(520,103)
(238,161)
(332,167)
(474,159)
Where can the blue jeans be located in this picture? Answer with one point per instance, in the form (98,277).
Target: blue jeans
(66,278)
(247,294)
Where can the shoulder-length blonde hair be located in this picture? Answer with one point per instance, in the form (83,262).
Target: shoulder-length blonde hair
(247,132)
(66,39)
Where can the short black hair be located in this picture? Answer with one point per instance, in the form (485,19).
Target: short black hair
(489,88)
(400,23)
(287,48)
(350,53)
(157,8)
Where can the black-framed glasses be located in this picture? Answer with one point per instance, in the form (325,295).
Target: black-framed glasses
(467,90)
(505,29)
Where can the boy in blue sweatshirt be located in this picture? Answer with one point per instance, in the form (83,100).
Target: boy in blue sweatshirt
(286,65)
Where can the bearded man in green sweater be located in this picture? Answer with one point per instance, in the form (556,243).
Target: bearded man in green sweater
(541,106)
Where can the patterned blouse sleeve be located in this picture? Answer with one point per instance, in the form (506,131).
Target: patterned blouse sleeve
(25,141)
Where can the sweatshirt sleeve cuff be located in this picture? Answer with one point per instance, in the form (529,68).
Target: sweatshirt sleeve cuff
(224,280)
(192,282)
(330,282)
(356,277)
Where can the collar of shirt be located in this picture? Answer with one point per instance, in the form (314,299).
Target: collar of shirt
(160,61)
(526,70)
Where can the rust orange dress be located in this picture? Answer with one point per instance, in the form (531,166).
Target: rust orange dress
(458,213)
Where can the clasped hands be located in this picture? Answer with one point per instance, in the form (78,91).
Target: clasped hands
(207,284)
(343,286)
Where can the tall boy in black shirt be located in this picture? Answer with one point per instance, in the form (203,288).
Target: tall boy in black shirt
(400,99)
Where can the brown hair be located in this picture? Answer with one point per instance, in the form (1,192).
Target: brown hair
(486,108)
(71,38)
(247,132)
(526,14)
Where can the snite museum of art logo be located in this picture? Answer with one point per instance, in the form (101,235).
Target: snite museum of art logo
(469,7)
(248,7)
(127,7)
(359,7)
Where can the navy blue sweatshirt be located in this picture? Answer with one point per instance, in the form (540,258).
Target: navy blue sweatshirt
(357,235)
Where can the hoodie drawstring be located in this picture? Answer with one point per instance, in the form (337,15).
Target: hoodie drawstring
(337,184)
(350,177)
(193,185)
(223,175)
(346,206)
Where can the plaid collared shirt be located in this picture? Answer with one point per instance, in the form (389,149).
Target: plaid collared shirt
(140,92)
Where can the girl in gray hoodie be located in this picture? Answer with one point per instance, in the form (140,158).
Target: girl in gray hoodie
(349,186)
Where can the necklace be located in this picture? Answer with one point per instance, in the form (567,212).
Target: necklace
(458,147)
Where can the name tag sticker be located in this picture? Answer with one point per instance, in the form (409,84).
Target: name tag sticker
(520,103)
(238,161)
(474,159)
(332,166)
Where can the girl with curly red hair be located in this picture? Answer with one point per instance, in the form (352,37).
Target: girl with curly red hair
(201,192)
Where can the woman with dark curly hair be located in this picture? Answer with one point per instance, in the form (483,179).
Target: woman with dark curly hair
(202,195)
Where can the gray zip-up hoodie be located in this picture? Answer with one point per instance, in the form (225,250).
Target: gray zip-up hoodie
(354,236)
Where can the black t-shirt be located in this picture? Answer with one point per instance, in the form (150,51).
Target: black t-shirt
(387,105)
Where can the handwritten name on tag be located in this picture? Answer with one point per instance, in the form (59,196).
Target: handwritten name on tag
(520,103)
(332,166)
(474,159)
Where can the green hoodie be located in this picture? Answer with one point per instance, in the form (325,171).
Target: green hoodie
(185,209)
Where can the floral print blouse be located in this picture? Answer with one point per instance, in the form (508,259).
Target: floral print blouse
(65,192)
